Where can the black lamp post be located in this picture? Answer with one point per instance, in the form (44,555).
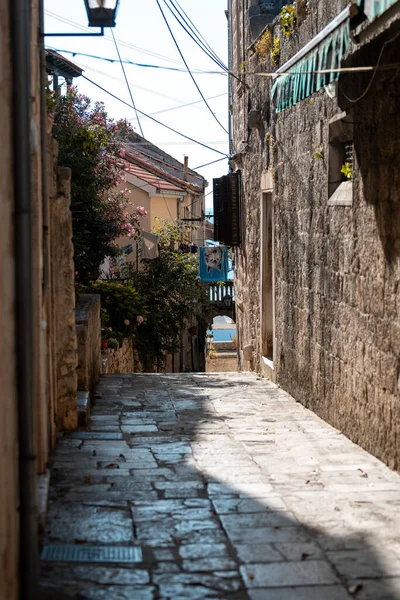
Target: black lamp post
(101,13)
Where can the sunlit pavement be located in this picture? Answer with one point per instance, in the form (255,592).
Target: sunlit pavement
(227,488)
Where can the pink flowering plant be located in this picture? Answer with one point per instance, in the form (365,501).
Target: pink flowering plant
(90,145)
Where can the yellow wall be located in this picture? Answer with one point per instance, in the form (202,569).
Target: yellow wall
(163,207)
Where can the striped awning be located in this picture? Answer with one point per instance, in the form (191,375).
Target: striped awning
(301,76)
(375,8)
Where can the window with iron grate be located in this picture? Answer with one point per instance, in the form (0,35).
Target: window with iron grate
(340,161)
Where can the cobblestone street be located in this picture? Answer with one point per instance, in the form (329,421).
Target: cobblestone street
(228,488)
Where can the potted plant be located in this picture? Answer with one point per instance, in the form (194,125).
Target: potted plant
(106,334)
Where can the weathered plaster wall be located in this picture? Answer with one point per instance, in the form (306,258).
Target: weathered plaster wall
(119,361)
(336,268)
(8,423)
(88,330)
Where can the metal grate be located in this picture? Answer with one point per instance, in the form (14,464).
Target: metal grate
(92,554)
(349,153)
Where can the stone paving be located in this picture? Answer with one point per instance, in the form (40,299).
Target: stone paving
(230,488)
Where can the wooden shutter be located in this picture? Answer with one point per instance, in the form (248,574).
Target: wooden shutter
(227,209)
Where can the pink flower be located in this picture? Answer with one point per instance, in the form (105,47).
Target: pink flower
(139,319)
(122,152)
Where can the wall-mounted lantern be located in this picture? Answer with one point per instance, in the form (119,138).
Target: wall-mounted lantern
(101,13)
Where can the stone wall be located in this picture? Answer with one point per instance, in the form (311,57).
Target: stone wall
(63,295)
(8,422)
(88,330)
(118,361)
(336,267)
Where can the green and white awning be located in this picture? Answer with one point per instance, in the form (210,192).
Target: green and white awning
(300,75)
(375,8)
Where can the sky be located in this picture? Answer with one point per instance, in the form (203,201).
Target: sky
(142,36)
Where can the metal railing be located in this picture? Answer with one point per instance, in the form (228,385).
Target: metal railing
(220,291)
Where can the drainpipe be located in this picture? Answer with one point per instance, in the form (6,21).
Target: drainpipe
(43,136)
(20,16)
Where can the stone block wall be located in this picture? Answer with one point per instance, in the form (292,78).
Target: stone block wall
(64,338)
(118,361)
(88,330)
(337,298)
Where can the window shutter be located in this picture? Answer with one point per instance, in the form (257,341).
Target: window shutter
(227,209)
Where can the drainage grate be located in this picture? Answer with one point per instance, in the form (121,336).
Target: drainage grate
(93,435)
(95,554)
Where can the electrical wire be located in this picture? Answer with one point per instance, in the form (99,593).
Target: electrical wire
(188,69)
(158,112)
(354,100)
(210,163)
(200,39)
(103,89)
(193,35)
(127,84)
(195,28)
(107,37)
(135,64)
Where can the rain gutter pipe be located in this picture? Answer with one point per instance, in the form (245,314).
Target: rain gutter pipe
(20,17)
(44,161)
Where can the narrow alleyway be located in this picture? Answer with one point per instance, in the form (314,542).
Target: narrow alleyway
(227,488)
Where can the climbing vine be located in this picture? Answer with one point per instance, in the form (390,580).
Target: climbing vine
(288,19)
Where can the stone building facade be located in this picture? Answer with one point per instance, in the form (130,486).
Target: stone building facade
(317,270)
(38,345)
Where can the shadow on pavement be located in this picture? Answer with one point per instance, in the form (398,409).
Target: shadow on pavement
(231,489)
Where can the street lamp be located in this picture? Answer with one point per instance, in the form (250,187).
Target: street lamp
(101,13)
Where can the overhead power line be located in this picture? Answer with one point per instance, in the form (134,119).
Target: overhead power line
(187,66)
(195,28)
(127,84)
(150,91)
(109,38)
(136,64)
(193,33)
(210,163)
(153,119)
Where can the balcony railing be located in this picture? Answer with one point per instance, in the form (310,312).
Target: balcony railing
(217,292)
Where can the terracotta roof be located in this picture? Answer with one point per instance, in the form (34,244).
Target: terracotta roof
(151,178)
(60,64)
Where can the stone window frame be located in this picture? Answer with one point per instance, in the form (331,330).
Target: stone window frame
(341,133)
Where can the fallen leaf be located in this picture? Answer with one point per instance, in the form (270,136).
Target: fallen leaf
(88,478)
(251,575)
(354,589)
(308,481)
(304,556)
(365,475)
(79,541)
(112,466)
